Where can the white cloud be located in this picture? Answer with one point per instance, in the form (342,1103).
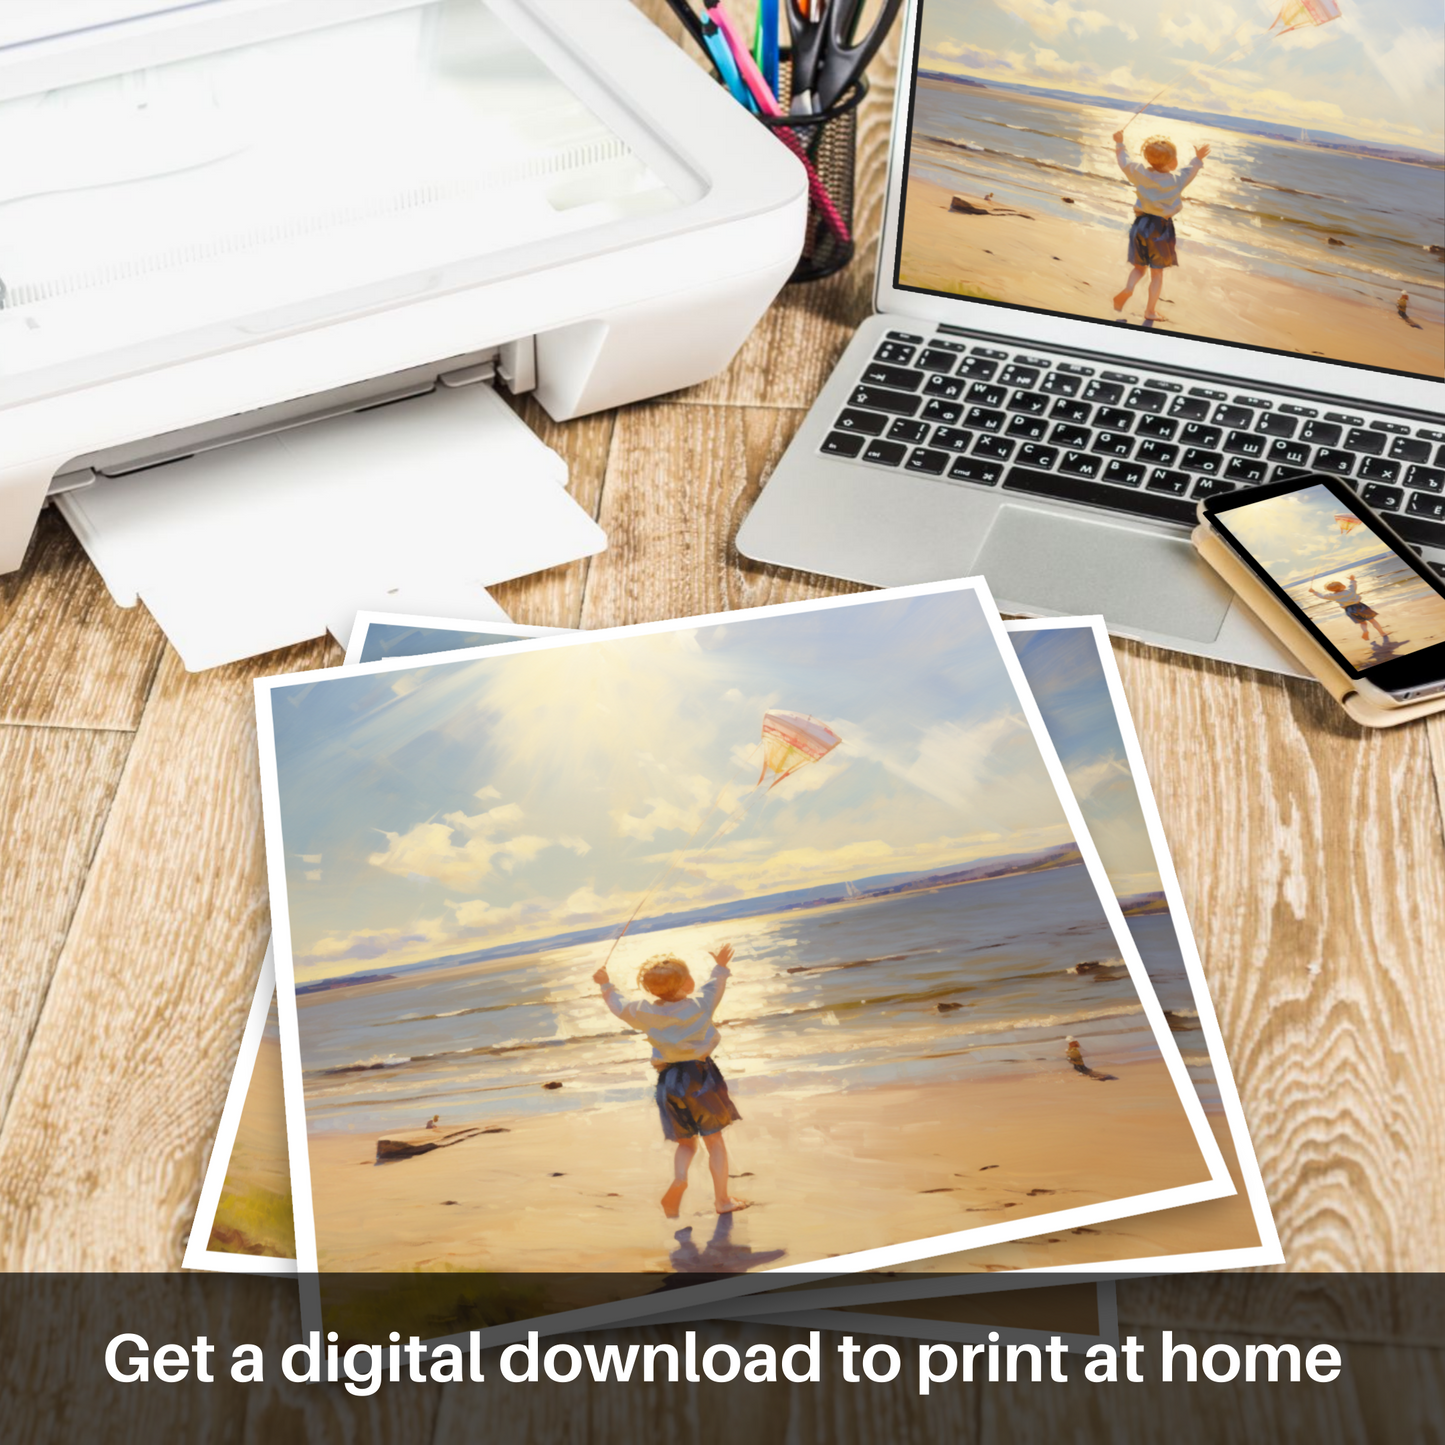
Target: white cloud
(309,857)
(313,875)
(431,850)
(1053,18)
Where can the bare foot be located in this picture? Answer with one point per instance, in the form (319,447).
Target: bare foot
(731,1206)
(1120,299)
(672,1200)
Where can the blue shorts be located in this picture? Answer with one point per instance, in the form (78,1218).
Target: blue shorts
(1151,242)
(692,1097)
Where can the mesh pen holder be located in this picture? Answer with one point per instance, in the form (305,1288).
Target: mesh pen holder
(827,144)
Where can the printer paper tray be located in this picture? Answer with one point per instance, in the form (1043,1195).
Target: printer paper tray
(415,507)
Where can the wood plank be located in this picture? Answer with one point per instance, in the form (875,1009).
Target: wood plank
(679,482)
(72,657)
(110,1122)
(554,598)
(1315,880)
(56,786)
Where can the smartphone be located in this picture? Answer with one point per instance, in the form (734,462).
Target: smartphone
(1339,570)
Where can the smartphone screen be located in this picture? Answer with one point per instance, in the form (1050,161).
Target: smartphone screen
(1335,564)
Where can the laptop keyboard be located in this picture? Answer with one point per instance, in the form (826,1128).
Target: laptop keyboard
(1143,444)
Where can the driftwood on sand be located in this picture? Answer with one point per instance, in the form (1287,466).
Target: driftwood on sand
(984,206)
(410,1142)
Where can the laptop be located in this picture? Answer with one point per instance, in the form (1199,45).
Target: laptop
(997,415)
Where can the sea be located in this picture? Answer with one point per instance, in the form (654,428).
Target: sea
(1261,205)
(905,989)
(1411,612)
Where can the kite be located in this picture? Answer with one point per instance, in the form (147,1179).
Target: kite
(792,740)
(1293,15)
(1347,523)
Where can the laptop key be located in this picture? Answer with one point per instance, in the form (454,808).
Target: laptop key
(1031,428)
(1033,455)
(985,395)
(1289,453)
(895,353)
(1107,392)
(1189,408)
(1196,459)
(905,336)
(904,378)
(1331,459)
(1211,487)
(935,409)
(1099,494)
(1163,480)
(1407,449)
(974,469)
(1035,403)
(1371,443)
(1235,416)
(1377,469)
(1147,399)
(953,438)
(1075,411)
(1426,479)
(905,429)
(1156,426)
(1081,464)
(924,459)
(878,398)
(1195,435)
(1382,498)
(1113,418)
(1245,444)
(1071,436)
(982,419)
(933,359)
(1419,530)
(1015,375)
(998,449)
(1245,469)
(1156,454)
(1272,424)
(948,387)
(867,422)
(1124,474)
(843,444)
(1112,444)
(1423,505)
(1060,383)
(978,368)
(1322,433)
(886,454)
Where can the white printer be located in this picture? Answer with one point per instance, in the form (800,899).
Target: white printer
(229,226)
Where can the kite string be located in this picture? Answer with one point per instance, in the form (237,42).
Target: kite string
(1168,85)
(677,856)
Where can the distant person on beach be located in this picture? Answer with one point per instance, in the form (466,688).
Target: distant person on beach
(1402,305)
(1158,198)
(692,1095)
(1355,607)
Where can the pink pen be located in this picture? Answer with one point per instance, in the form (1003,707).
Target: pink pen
(768,105)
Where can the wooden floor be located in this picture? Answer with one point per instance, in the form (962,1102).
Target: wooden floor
(133,908)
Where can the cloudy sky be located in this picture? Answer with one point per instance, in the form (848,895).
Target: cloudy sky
(1375,73)
(1067,680)
(463,805)
(1296,535)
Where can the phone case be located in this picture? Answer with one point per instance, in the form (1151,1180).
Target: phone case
(1258,598)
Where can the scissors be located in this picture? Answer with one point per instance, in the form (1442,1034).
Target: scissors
(828,56)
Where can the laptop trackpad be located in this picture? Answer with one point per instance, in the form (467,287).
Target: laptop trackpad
(1074,565)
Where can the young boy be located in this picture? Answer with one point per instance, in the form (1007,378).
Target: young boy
(1158,198)
(692,1095)
(1355,607)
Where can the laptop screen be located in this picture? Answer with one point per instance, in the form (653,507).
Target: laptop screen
(1280,182)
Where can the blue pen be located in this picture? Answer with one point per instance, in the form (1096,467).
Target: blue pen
(768,50)
(727,67)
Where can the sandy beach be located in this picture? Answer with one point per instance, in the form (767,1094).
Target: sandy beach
(253,1215)
(828,1174)
(1030,258)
